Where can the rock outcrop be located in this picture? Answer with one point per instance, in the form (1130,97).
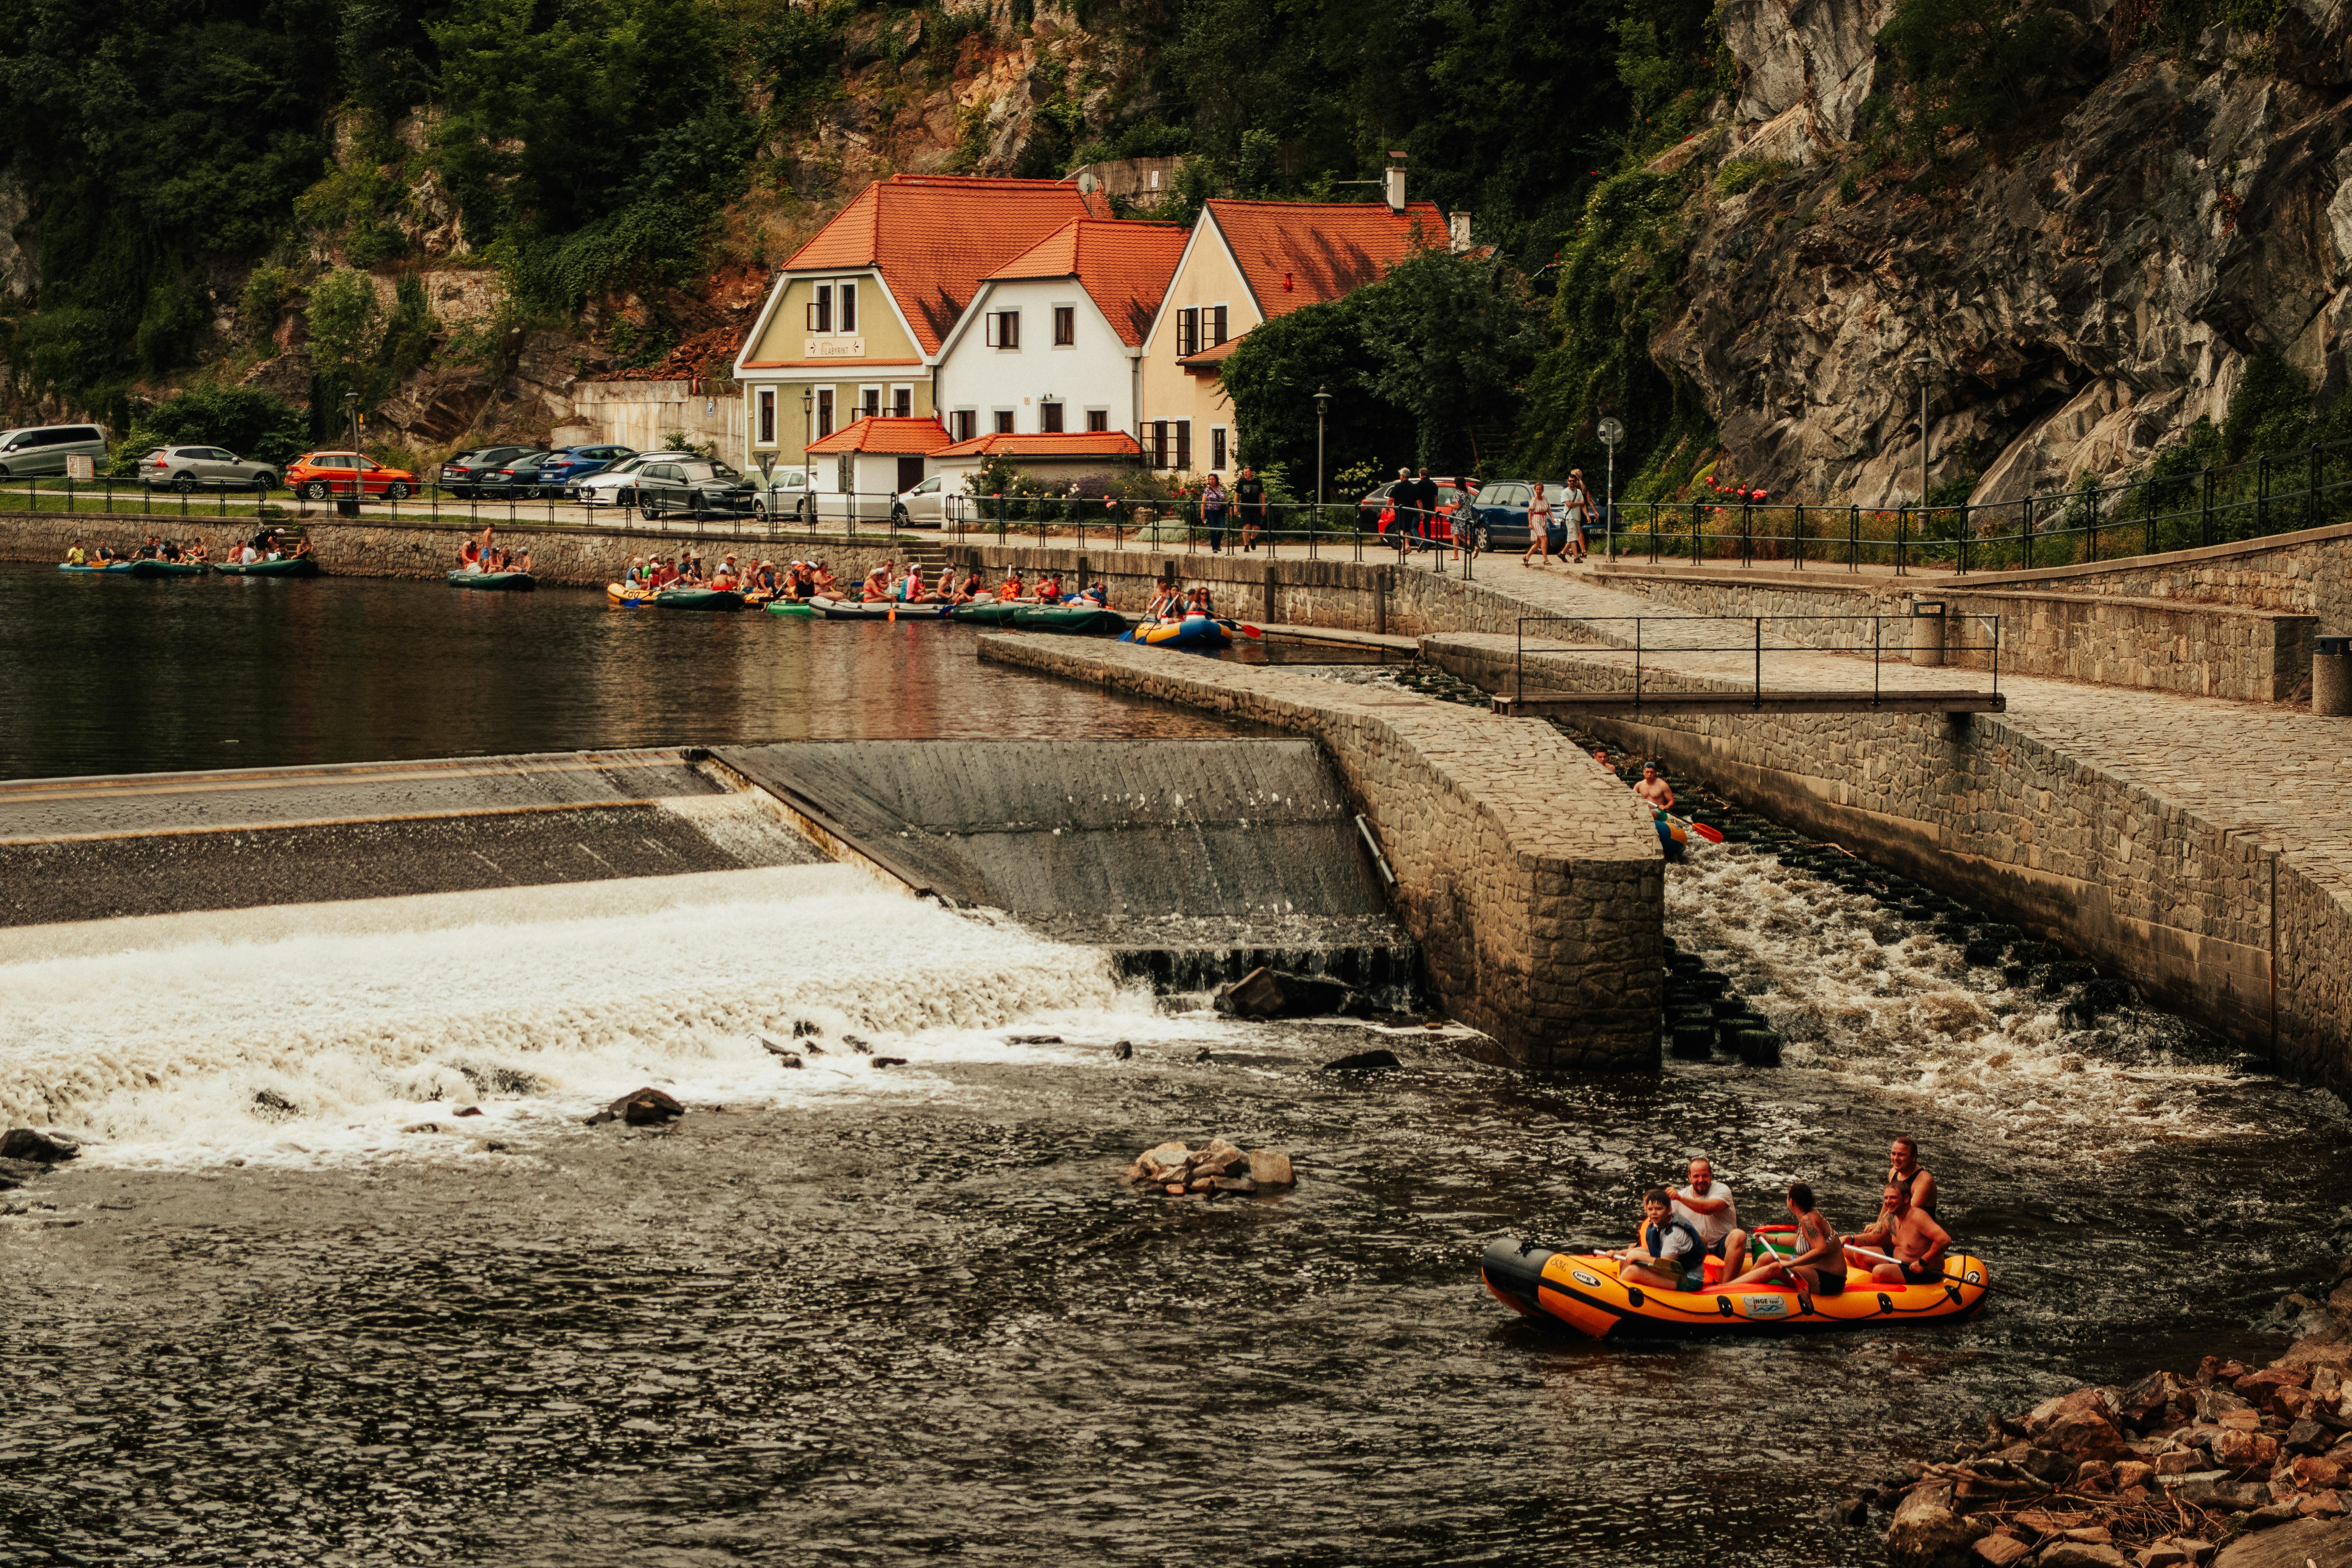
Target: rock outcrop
(2083,302)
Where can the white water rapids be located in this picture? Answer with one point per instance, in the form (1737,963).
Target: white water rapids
(318,1032)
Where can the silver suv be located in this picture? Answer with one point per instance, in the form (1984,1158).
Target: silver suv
(44,448)
(186,468)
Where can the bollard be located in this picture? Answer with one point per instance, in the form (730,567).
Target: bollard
(1927,624)
(2331,678)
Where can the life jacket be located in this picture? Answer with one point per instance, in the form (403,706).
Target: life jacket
(1653,1243)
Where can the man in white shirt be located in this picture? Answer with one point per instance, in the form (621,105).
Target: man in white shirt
(1705,1204)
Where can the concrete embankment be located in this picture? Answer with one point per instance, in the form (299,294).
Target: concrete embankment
(2060,831)
(1532,880)
(149,844)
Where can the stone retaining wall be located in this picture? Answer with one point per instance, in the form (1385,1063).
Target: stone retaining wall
(2151,644)
(1532,880)
(2142,883)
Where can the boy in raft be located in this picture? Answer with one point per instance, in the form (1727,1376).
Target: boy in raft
(1668,1255)
(1818,1263)
(1706,1207)
(1049,589)
(1914,1240)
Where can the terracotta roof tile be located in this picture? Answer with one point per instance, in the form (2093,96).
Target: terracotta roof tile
(880,432)
(934,236)
(1067,444)
(1124,267)
(1308,253)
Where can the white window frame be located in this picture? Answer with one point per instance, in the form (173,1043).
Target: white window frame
(874,388)
(999,337)
(1062,410)
(845,312)
(763,416)
(1188,332)
(821,300)
(1072,308)
(1094,413)
(1220,447)
(1003,422)
(958,419)
(890,399)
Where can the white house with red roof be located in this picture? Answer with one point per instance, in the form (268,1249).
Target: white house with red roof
(870,461)
(1245,264)
(855,321)
(1052,342)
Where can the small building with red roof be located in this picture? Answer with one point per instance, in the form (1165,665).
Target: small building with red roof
(874,458)
(855,320)
(1052,342)
(1246,263)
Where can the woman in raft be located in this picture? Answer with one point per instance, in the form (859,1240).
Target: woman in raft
(910,588)
(877,587)
(944,590)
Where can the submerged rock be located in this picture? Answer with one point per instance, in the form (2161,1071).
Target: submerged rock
(640,1108)
(45,1148)
(1270,993)
(1365,1061)
(1216,1165)
(1123,1051)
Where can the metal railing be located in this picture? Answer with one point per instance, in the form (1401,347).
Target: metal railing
(2270,494)
(1646,648)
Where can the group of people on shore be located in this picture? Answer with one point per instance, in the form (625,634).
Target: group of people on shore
(1685,1229)
(266,545)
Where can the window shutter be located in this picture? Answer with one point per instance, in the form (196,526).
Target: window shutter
(1218,324)
(1011,329)
(1160,443)
(1184,446)
(849,306)
(1187,332)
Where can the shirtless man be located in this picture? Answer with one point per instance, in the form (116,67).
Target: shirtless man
(1656,790)
(1903,1165)
(1910,1235)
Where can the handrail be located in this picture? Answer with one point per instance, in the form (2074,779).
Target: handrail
(1646,652)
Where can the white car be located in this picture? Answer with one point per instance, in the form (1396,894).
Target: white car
(937,502)
(617,486)
(782,494)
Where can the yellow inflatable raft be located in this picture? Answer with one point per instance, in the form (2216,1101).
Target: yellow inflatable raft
(1582,1290)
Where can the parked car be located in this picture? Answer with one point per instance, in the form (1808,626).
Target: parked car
(617,486)
(785,495)
(44,448)
(935,503)
(522,478)
(320,475)
(1450,494)
(699,487)
(1498,514)
(186,468)
(463,475)
(560,470)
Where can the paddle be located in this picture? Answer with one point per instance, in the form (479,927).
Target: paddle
(1241,626)
(1712,835)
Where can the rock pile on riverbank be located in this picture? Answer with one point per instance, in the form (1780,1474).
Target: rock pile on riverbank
(1216,1167)
(2169,1472)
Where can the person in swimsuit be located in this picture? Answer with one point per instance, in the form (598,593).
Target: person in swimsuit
(1903,1165)
(1668,1255)
(877,587)
(1818,1263)
(1916,1242)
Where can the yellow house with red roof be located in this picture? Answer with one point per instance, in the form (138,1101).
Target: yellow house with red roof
(1246,263)
(853,323)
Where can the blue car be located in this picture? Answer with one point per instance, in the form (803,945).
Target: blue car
(1499,512)
(560,470)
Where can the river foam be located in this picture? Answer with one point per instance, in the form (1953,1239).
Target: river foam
(319,1032)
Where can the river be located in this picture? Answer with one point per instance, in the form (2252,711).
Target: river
(872,1314)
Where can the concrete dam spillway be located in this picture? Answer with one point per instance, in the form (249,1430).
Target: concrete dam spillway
(1192,860)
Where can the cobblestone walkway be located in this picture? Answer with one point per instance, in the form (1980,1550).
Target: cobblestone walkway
(2271,771)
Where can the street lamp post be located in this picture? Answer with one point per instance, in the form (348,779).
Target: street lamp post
(1925,361)
(1611,432)
(808,458)
(1322,407)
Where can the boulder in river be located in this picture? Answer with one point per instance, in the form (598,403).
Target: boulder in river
(1265,993)
(1217,1165)
(46,1148)
(1928,1533)
(645,1107)
(1364,1061)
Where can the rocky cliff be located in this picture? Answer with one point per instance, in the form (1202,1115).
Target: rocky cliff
(2080,301)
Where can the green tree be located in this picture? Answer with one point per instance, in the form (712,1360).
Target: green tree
(1453,338)
(1273,375)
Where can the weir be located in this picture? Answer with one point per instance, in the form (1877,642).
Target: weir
(1192,861)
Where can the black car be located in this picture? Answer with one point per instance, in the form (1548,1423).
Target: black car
(467,473)
(699,487)
(517,479)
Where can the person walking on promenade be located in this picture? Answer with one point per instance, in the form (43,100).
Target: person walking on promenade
(1400,527)
(1212,513)
(1578,501)
(1541,544)
(1249,503)
(1424,501)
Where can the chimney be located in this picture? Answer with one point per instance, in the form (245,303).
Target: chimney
(1457,227)
(1395,182)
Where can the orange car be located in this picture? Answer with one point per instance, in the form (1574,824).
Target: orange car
(321,474)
